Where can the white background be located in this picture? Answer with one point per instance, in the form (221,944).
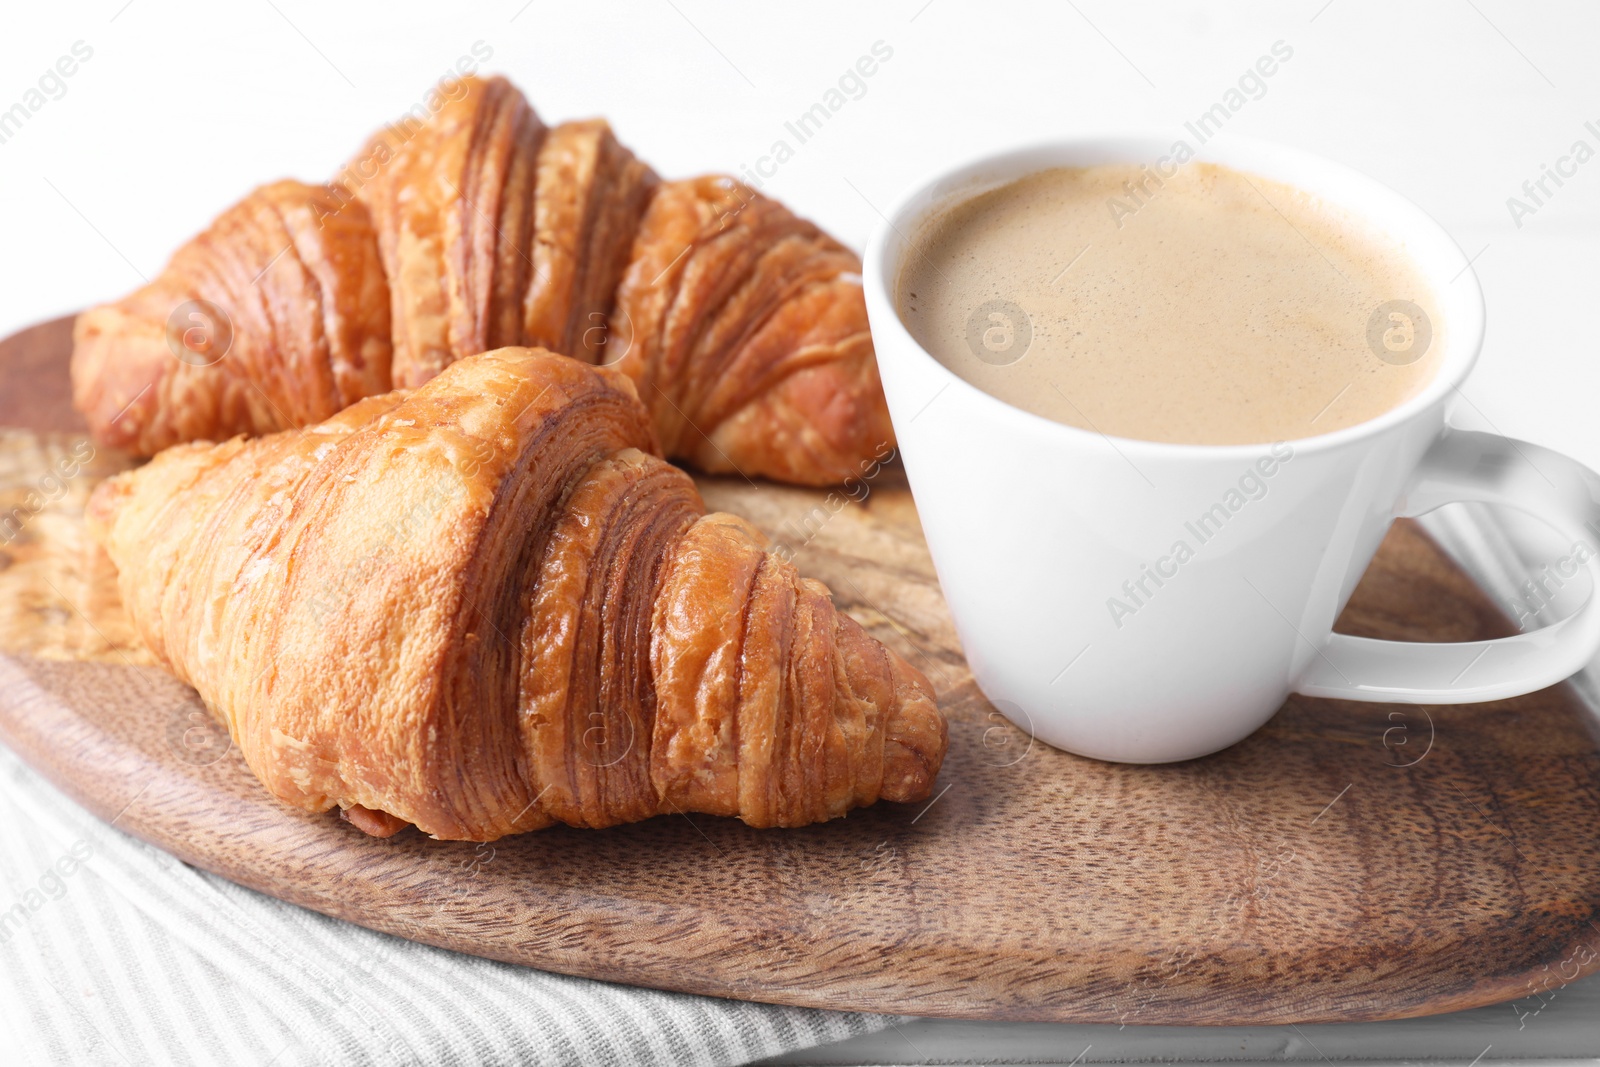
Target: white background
(184,107)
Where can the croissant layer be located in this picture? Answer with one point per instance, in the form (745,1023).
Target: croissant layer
(275,316)
(488,605)
(475,227)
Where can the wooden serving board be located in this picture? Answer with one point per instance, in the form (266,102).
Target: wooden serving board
(1347,862)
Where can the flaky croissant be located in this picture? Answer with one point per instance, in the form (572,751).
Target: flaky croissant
(479,227)
(487,605)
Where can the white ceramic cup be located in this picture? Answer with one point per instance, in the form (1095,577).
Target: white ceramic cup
(1035,526)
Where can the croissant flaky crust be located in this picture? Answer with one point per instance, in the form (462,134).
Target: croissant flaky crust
(743,325)
(487,605)
(306,331)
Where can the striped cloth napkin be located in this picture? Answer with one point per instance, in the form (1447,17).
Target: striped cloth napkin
(113,952)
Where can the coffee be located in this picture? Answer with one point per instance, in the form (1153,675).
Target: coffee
(1205,307)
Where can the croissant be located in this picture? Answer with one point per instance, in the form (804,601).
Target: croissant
(487,605)
(478,227)
(276,316)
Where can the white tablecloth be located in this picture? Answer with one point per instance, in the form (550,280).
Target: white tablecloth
(113,952)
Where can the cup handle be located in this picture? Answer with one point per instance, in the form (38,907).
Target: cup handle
(1465,465)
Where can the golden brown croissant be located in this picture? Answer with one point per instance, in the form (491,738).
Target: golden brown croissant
(744,326)
(486,605)
(303,331)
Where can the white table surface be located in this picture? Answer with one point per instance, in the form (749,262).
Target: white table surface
(1562,1032)
(182,107)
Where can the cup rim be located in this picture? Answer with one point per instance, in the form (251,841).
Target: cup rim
(1464,341)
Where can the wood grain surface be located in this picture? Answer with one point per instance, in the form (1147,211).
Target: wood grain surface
(1347,862)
